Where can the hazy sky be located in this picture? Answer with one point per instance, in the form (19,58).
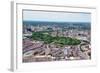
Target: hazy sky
(56,16)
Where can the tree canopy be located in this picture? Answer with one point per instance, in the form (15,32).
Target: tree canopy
(47,38)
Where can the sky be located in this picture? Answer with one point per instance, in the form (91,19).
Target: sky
(29,15)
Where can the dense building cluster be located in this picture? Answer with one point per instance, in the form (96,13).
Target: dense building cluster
(37,50)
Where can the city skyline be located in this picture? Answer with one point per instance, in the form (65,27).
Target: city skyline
(56,36)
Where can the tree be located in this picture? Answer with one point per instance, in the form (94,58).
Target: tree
(57,40)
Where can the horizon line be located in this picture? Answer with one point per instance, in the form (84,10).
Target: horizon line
(54,21)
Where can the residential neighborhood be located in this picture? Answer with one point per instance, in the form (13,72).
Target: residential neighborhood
(53,42)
